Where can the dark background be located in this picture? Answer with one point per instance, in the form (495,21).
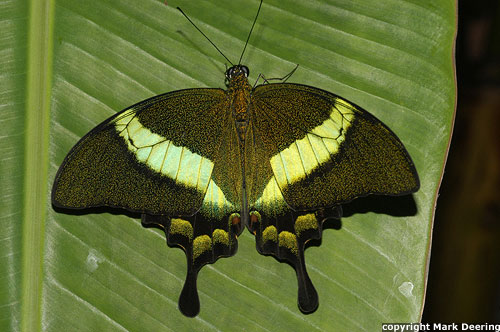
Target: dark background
(464,275)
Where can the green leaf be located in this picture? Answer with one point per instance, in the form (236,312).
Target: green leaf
(68,65)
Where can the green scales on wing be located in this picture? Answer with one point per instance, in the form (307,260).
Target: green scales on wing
(205,163)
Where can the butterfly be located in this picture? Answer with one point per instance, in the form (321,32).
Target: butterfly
(206,163)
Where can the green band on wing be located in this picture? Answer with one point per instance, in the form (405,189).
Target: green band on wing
(181,227)
(271,201)
(201,244)
(289,241)
(162,156)
(303,156)
(215,203)
(305,222)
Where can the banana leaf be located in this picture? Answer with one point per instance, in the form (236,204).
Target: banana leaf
(68,65)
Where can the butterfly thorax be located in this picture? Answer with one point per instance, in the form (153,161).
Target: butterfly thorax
(238,93)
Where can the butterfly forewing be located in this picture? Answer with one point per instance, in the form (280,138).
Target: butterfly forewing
(325,150)
(157,156)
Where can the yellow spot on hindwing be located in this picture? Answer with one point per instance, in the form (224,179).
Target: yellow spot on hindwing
(305,222)
(201,244)
(303,156)
(181,227)
(220,236)
(270,233)
(289,241)
(162,156)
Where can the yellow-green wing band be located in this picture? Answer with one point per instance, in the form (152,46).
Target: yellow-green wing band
(163,156)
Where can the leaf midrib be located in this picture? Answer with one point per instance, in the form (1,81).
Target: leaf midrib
(38,83)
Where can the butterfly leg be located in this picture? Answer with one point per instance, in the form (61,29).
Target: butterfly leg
(203,241)
(282,79)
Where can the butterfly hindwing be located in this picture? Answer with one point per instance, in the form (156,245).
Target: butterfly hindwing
(203,240)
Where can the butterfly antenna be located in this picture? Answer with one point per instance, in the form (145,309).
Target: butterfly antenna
(250,33)
(225,57)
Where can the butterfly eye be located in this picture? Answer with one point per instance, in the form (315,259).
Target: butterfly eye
(229,73)
(245,70)
(237,70)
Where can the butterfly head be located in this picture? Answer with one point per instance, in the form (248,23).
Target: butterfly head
(236,73)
